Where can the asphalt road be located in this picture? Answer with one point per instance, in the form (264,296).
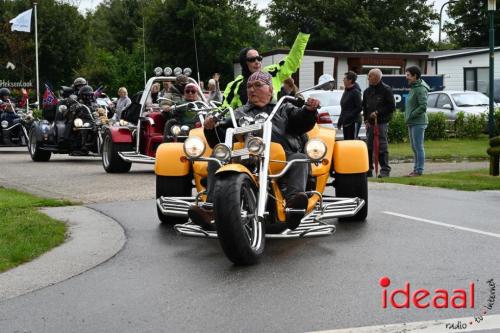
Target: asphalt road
(162,282)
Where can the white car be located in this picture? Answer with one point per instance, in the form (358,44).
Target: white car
(451,102)
(330,110)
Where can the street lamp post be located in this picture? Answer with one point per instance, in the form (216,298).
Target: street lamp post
(491,17)
(440,18)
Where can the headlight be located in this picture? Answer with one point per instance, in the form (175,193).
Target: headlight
(158,71)
(167,71)
(194,147)
(175,130)
(222,152)
(86,125)
(177,71)
(185,129)
(187,71)
(63,108)
(315,149)
(5,124)
(255,145)
(78,122)
(245,121)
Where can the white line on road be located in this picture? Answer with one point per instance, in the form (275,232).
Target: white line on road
(441,224)
(431,326)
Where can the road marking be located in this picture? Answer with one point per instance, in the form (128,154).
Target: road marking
(431,326)
(441,224)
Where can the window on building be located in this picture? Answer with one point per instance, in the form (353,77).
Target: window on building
(318,70)
(476,79)
(387,70)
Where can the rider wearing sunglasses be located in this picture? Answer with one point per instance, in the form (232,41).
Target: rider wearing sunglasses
(235,94)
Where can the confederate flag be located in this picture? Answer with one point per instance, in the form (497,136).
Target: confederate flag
(49,99)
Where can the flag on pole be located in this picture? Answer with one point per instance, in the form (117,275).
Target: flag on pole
(49,99)
(22,22)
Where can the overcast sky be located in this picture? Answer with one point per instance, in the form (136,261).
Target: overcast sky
(261,4)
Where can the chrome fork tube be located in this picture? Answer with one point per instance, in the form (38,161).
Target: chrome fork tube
(264,170)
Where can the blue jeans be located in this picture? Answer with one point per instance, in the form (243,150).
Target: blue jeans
(416,133)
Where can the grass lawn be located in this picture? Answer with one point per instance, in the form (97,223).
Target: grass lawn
(450,149)
(471,180)
(26,233)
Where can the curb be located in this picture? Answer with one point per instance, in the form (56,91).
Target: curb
(93,239)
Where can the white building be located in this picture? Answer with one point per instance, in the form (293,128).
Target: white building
(465,69)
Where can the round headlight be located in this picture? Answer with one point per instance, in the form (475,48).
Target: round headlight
(194,147)
(158,71)
(177,71)
(261,117)
(78,122)
(187,71)
(315,149)
(5,124)
(245,121)
(63,108)
(255,145)
(175,130)
(222,152)
(184,129)
(167,71)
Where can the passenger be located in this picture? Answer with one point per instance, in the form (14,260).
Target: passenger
(290,125)
(214,93)
(235,94)
(122,103)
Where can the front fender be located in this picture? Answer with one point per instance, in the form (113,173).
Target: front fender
(170,160)
(236,168)
(350,156)
(120,134)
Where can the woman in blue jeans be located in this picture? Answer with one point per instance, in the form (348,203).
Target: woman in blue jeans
(416,117)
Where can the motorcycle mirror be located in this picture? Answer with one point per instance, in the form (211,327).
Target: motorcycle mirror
(318,86)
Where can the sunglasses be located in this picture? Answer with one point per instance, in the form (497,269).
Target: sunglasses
(252,59)
(190,91)
(255,85)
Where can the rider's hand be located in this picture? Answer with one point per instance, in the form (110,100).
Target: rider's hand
(209,122)
(216,76)
(312,104)
(166,108)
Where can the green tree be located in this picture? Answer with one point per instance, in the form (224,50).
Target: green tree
(469,23)
(356,25)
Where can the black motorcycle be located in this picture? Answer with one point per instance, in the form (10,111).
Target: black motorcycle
(76,130)
(15,125)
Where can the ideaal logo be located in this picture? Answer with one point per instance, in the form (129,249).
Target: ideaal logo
(422,298)
(439,299)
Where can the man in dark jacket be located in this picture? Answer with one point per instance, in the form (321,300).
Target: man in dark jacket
(378,105)
(290,125)
(350,105)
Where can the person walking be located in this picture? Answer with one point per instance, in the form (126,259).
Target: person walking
(350,107)
(416,117)
(378,106)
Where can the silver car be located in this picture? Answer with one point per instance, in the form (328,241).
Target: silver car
(330,110)
(452,102)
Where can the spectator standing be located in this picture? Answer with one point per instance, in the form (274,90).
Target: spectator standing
(378,106)
(416,117)
(350,106)
(214,93)
(122,103)
(288,88)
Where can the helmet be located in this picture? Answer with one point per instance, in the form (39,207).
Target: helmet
(4,92)
(86,93)
(79,81)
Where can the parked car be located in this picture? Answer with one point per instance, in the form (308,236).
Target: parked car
(452,102)
(330,110)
